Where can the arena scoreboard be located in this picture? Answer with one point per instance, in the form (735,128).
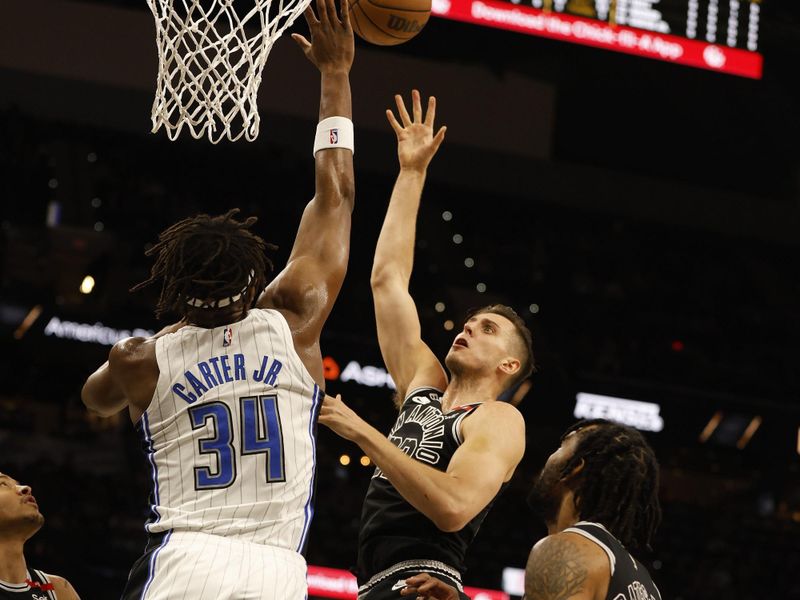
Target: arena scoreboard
(718,35)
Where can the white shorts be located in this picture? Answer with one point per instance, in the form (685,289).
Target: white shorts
(199,566)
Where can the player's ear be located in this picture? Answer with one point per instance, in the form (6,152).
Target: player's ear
(576,470)
(510,365)
(252,296)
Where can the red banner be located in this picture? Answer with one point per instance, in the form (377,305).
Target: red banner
(338,583)
(331,583)
(589,32)
(480,594)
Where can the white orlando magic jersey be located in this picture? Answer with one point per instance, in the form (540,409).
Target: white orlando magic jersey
(230,433)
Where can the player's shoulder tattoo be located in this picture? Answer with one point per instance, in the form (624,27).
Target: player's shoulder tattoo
(557,569)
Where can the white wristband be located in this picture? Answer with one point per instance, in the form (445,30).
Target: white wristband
(334,132)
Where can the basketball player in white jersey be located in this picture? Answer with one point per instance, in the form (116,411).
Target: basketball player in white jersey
(226,400)
(20,519)
(453,446)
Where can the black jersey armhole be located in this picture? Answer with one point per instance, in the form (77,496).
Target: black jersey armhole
(425,391)
(426,388)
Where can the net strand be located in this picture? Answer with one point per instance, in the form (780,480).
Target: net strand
(210,59)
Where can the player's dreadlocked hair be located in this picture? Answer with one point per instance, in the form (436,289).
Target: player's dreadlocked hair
(207,257)
(618,485)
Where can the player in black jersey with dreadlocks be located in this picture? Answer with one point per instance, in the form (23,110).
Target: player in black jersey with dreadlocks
(20,519)
(598,494)
(453,446)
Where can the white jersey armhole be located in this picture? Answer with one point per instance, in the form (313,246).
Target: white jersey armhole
(611,558)
(459,437)
(290,349)
(658,591)
(162,373)
(457,427)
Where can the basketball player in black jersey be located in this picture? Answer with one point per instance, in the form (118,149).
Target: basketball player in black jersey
(20,519)
(598,494)
(453,446)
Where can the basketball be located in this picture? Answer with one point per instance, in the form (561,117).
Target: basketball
(389,22)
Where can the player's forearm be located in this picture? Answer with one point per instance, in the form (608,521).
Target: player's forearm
(433,493)
(101,394)
(335,100)
(394,254)
(335,179)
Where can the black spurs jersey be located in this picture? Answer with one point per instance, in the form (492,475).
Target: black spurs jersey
(393,531)
(629,578)
(37,587)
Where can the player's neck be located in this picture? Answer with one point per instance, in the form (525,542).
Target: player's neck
(209,319)
(468,390)
(566,517)
(12,561)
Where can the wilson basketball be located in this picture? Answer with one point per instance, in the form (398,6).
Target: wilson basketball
(389,22)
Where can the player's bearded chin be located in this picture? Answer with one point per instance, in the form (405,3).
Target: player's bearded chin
(452,363)
(543,497)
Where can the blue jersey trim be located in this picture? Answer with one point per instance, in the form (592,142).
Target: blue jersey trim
(308,511)
(151,571)
(150,451)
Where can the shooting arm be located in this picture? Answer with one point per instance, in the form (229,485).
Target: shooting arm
(306,289)
(409,360)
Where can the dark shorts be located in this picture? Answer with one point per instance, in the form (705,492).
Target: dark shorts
(142,569)
(387,584)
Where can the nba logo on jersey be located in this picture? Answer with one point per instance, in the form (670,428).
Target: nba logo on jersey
(334,136)
(227,337)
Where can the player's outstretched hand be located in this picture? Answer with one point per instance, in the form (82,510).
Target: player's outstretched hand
(426,587)
(416,143)
(332,46)
(342,420)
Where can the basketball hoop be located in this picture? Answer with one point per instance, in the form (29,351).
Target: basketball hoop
(210,63)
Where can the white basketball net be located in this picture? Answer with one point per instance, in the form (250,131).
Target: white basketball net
(210,64)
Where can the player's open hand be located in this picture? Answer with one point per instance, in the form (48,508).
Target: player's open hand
(342,420)
(426,587)
(416,143)
(331,47)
